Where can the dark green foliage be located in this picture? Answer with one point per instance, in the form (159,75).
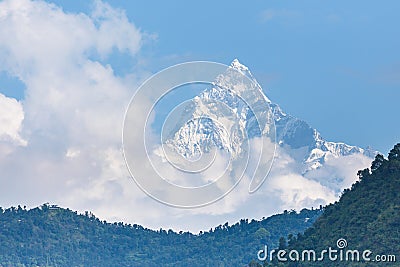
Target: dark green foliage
(53,236)
(367,216)
(282,243)
(394,154)
(378,161)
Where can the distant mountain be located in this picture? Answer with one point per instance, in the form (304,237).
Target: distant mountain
(293,133)
(367,217)
(53,236)
(294,136)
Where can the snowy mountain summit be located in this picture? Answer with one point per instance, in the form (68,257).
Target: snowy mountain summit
(219,118)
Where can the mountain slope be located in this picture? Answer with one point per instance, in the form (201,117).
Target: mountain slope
(52,236)
(367,217)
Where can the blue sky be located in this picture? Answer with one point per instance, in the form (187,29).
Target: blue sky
(335,64)
(69,68)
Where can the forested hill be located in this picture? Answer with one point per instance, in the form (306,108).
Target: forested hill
(53,236)
(367,217)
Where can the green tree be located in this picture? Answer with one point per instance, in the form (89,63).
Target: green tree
(262,234)
(282,243)
(363,173)
(378,162)
(394,154)
(367,216)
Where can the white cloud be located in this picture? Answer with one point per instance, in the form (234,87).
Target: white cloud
(73,106)
(115,30)
(41,36)
(71,122)
(339,173)
(11,117)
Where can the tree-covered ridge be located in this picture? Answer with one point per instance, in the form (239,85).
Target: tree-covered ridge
(367,216)
(53,236)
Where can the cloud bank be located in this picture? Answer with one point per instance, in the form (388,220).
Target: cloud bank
(62,143)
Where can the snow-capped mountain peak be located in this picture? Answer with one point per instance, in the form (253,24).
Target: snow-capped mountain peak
(239,66)
(202,131)
(244,70)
